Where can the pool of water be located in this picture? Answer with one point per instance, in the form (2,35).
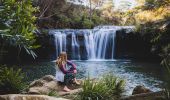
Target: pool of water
(151,75)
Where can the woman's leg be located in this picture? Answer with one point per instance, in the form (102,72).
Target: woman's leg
(67,80)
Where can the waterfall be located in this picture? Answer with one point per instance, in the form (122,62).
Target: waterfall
(97,43)
(103,40)
(60,41)
(75,48)
(113,43)
(89,44)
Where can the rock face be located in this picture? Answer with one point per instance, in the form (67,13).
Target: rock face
(140,89)
(43,85)
(28,97)
(47,84)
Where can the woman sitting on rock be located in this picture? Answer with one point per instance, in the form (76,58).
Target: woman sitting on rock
(65,74)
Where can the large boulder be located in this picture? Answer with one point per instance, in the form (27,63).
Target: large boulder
(160,95)
(43,85)
(28,97)
(140,89)
(48,84)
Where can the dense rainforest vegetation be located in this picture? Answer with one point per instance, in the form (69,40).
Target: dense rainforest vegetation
(22,21)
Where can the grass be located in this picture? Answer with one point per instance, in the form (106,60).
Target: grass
(108,87)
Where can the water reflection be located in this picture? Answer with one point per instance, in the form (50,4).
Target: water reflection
(135,73)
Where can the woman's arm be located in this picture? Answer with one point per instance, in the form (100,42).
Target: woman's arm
(63,69)
(73,66)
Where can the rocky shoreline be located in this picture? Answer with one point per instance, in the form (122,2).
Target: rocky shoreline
(41,88)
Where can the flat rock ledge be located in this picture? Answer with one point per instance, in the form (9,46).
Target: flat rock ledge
(48,83)
(28,97)
(160,95)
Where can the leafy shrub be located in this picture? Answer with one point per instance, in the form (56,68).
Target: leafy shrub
(107,88)
(18,22)
(115,85)
(11,81)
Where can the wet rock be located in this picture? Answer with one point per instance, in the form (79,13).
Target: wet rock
(140,89)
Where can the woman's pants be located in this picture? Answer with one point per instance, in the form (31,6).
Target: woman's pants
(68,78)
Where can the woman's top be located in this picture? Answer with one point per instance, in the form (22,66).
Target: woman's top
(63,69)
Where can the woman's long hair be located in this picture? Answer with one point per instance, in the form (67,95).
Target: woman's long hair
(62,58)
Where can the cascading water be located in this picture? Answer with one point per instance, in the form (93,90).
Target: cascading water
(104,43)
(75,47)
(60,41)
(97,43)
(89,44)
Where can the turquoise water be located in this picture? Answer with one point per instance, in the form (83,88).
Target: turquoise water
(151,75)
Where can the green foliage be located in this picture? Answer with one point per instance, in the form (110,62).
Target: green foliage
(66,15)
(115,85)
(107,88)
(154,25)
(11,81)
(18,28)
(152,4)
(87,23)
(97,20)
(162,41)
(53,93)
(77,21)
